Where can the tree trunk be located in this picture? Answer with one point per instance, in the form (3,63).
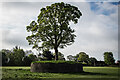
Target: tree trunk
(56,54)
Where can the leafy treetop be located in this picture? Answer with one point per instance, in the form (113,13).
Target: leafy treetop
(51,29)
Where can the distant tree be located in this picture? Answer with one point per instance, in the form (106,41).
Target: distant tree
(92,61)
(6,51)
(52,27)
(16,56)
(27,52)
(4,58)
(118,63)
(60,56)
(76,57)
(100,63)
(71,58)
(11,59)
(83,57)
(47,55)
(108,58)
(32,57)
(26,61)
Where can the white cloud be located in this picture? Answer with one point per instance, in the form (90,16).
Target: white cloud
(96,33)
(14,19)
(59,1)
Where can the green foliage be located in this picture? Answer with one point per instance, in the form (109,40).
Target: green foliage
(108,58)
(83,57)
(4,58)
(56,62)
(92,61)
(47,55)
(52,27)
(26,61)
(71,58)
(32,57)
(60,56)
(16,56)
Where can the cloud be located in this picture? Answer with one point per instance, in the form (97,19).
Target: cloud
(96,32)
(14,19)
(59,1)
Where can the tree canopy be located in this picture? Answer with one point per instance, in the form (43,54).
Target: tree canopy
(52,30)
(108,58)
(16,55)
(71,58)
(92,61)
(83,57)
(4,58)
(47,55)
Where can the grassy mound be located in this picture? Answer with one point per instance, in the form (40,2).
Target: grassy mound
(56,66)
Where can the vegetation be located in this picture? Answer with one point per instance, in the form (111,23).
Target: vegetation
(71,58)
(48,55)
(4,58)
(108,58)
(19,57)
(92,61)
(91,73)
(82,56)
(70,62)
(52,29)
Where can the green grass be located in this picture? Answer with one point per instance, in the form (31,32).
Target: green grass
(56,62)
(91,73)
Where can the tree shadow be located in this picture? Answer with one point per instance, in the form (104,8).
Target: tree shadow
(88,73)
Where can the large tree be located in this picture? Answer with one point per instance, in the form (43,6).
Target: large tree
(52,30)
(108,58)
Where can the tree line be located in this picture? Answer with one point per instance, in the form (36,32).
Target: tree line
(92,61)
(20,57)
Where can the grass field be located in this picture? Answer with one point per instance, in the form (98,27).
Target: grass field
(90,73)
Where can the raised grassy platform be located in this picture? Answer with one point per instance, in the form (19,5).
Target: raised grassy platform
(56,66)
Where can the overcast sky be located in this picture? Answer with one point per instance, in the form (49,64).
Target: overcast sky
(96,31)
